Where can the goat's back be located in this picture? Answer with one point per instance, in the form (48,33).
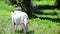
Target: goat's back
(19,16)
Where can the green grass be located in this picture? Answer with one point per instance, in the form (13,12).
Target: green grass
(44,26)
(37,25)
(45,2)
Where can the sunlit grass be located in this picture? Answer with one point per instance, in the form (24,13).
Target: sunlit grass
(45,2)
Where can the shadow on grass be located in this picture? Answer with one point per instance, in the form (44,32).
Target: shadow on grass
(32,16)
(47,18)
(48,7)
(30,32)
(45,7)
(42,13)
(21,32)
(52,19)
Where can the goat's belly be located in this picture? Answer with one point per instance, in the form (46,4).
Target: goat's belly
(18,21)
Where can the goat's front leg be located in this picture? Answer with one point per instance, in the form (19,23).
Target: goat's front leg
(25,28)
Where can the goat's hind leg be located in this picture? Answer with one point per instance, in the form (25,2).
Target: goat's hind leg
(13,27)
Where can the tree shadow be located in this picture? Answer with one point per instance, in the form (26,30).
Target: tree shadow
(47,18)
(30,32)
(42,13)
(21,32)
(52,19)
(32,16)
(46,7)
(58,3)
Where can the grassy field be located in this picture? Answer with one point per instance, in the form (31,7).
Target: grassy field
(47,22)
(45,2)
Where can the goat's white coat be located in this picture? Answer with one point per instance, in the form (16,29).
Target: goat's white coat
(21,18)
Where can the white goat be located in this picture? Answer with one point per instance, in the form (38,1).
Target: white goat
(20,18)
